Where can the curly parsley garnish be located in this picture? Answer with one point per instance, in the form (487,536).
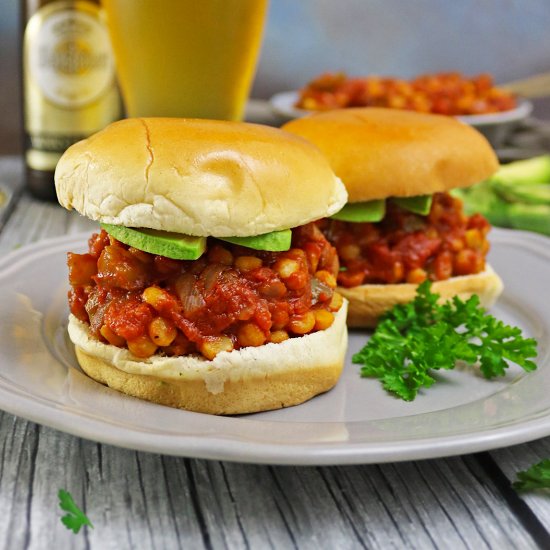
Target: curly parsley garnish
(416,338)
(535,477)
(75,518)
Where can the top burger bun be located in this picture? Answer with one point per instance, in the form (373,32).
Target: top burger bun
(380,153)
(198,177)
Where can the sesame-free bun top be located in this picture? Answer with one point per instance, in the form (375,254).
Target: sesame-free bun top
(198,177)
(380,153)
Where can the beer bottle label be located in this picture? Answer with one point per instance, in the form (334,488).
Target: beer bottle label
(69,79)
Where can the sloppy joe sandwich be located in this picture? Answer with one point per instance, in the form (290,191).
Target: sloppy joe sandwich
(401,225)
(208,286)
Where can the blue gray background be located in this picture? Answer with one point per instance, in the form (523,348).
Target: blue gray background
(508,38)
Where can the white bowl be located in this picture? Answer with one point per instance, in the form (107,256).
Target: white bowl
(496,127)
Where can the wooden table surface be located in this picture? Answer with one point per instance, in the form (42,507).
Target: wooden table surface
(141,500)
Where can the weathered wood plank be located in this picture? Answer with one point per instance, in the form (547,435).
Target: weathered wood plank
(140,500)
(520,457)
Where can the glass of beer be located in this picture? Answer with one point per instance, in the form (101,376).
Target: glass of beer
(186,58)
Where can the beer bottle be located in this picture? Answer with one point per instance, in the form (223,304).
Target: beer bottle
(69,84)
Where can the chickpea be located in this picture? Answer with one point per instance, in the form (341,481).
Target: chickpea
(351,279)
(250,334)
(302,324)
(162,332)
(474,239)
(275,289)
(297,280)
(336,302)
(323,319)
(457,244)
(278,336)
(285,267)
(247,263)
(327,278)
(111,337)
(214,345)
(142,347)
(279,319)
(416,276)
(154,296)
(464,262)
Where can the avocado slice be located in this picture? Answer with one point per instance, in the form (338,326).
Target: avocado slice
(419,204)
(164,243)
(530,217)
(528,171)
(482,198)
(530,193)
(370,211)
(276,241)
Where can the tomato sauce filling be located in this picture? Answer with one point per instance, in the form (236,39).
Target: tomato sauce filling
(231,297)
(409,248)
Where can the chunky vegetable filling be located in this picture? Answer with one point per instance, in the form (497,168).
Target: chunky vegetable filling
(231,297)
(441,93)
(408,247)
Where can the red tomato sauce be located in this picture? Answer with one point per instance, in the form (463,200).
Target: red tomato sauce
(407,247)
(231,297)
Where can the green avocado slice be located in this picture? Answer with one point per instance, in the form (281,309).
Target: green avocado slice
(164,243)
(419,204)
(530,193)
(370,211)
(276,241)
(530,171)
(532,217)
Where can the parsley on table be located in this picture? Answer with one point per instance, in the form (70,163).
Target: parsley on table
(75,518)
(416,338)
(535,477)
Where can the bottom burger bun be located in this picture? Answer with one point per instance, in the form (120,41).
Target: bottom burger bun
(249,380)
(367,303)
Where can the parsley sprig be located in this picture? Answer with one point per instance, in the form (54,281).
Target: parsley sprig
(414,339)
(535,477)
(75,518)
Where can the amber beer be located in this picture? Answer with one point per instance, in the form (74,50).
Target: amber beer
(192,58)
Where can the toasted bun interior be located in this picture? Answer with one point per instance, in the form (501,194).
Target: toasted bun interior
(252,379)
(198,177)
(367,303)
(380,153)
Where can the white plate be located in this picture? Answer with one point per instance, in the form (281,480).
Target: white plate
(495,126)
(357,422)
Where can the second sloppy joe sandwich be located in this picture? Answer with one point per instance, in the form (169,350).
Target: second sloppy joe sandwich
(401,225)
(208,286)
